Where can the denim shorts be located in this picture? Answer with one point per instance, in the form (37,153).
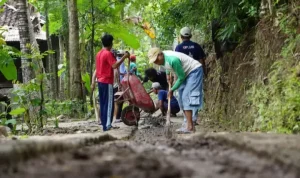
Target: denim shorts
(191,92)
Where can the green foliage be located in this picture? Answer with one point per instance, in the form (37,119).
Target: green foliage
(9,71)
(2,2)
(277,103)
(56,123)
(4,121)
(7,65)
(25,97)
(142,62)
(28,98)
(87,81)
(55,10)
(70,108)
(11,121)
(236,17)
(61,70)
(17,111)
(119,32)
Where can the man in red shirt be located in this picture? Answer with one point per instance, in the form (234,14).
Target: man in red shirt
(105,63)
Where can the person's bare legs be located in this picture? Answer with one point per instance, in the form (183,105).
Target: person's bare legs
(189,120)
(116,111)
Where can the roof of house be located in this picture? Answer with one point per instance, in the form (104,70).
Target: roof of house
(11,34)
(9,22)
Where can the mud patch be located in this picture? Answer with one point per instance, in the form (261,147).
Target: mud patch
(70,128)
(154,121)
(150,155)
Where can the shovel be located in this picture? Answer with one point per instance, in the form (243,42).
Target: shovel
(168,127)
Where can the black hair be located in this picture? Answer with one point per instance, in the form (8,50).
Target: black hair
(107,40)
(186,37)
(151,72)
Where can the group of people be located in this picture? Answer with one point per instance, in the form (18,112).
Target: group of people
(186,63)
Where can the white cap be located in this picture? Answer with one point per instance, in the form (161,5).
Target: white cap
(186,32)
(156,85)
(120,52)
(152,54)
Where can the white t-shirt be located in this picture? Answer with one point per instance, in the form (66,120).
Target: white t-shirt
(188,63)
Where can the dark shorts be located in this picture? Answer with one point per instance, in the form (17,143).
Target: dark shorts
(174,108)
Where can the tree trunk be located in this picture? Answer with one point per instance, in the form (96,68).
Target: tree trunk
(92,52)
(33,41)
(29,45)
(24,33)
(75,73)
(51,60)
(61,61)
(93,39)
(65,32)
(55,46)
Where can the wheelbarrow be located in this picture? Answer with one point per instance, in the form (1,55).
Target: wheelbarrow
(133,92)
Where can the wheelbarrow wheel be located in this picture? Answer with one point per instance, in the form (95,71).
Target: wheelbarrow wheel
(130,115)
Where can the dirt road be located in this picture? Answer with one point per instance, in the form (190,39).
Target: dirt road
(148,154)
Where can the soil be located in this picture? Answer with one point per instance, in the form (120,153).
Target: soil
(84,127)
(149,154)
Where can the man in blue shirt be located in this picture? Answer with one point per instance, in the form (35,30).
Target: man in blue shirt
(191,48)
(163,100)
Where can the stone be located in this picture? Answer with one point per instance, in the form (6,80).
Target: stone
(3,131)
(8,130)
(61,117)
(94,129)
(145,127)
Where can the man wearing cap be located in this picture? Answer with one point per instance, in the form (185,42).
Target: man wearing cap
(189,81)
(163,100)
(191,48)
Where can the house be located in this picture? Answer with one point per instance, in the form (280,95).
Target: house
(9,22)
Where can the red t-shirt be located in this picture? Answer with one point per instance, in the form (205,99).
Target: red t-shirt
(104,71)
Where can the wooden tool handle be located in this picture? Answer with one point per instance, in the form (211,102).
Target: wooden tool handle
(169,100)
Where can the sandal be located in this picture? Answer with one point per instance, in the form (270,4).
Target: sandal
(112,127)
(118,121)
(184,131)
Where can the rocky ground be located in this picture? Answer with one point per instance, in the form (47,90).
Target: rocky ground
(148,153)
